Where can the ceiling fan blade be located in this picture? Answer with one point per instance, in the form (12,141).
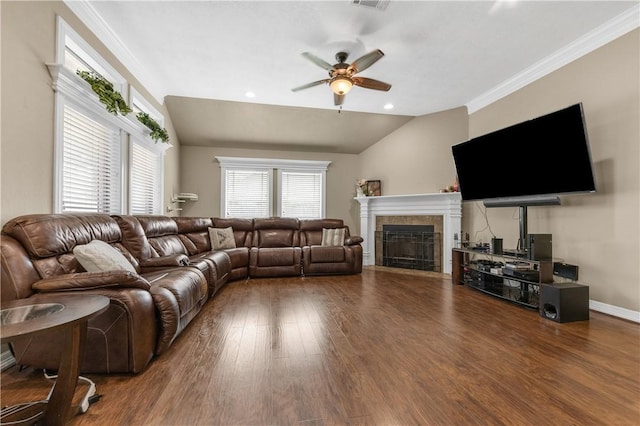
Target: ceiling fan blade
(315,83)
(370,83)
(338,99)
(319,62)
(365,61)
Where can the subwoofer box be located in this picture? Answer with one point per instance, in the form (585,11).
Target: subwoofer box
(564,302)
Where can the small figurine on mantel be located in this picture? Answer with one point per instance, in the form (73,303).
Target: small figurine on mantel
(368,188)
(361,187)
(452,188)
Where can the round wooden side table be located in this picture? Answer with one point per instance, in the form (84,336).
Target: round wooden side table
(42,314)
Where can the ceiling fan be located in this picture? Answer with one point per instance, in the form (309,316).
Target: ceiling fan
(343,75)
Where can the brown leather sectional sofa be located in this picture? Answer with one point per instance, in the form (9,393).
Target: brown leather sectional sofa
(176,273)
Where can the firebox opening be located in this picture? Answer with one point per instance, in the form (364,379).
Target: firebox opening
(410,247)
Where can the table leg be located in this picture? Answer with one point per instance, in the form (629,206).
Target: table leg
(58,409)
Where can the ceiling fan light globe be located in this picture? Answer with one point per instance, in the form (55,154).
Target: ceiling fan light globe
(341,85)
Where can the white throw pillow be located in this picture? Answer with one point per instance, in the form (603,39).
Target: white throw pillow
(98,256)
(332,236)
(222,238)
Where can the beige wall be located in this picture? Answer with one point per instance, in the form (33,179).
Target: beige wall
(28,35)
(598,232)
(416,158)
(200,173)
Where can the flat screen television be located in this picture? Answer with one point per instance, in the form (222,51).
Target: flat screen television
(528,163)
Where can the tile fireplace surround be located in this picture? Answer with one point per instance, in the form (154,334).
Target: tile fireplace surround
(448,205)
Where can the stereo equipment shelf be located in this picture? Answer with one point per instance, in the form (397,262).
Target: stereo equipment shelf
(509,277)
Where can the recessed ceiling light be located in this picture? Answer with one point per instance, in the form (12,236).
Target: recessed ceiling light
(250,95)
(388,106)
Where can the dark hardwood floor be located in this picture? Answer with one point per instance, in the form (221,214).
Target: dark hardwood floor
(386,347)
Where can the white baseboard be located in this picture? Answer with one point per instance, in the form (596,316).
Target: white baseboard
(615,311)
(6,360)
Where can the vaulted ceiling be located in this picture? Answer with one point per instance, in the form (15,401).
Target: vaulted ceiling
(203,57)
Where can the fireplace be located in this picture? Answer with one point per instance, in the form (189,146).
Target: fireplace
(443,211)
(409,247)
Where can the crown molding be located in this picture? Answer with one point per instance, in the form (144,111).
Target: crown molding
(595,39)
(92,19)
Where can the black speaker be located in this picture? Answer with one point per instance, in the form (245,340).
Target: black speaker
(565,270)
(496,245)
(539,247)
(564,302)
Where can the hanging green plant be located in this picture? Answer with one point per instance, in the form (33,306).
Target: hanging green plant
(111,99)
(157,133)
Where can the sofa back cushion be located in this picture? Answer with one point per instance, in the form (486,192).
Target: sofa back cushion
(133,237)
(162,233)
(194,233)
(276,232)
(49,239)
(242,229)
(311,230)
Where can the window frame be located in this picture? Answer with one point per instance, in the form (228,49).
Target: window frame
(276,167)
(304,170)
(223,199)
(72,90)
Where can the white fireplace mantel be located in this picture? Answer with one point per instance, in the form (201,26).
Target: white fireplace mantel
(448,205)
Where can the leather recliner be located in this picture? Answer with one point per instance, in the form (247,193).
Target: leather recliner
(276,248)
(177,271)
(148,310)
(328,260)
(151,238)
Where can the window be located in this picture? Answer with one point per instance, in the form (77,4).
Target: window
(93,161)
(247,193)
(146,165)
(248,189)
(91,178)
(146,179)
(301,194)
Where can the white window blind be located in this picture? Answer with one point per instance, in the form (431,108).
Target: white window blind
(146,177)
(92,161)
(247,193)
(91,177)
(301,195)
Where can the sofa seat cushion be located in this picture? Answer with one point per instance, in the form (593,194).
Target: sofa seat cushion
(218,267)
(275,262)
(178,295)
(284,256)
(325,254)
(239,257)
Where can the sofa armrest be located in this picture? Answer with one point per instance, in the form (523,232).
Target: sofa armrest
(90,281)
(165,261)
(353,240)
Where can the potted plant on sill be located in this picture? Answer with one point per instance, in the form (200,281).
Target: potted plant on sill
(115,103)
